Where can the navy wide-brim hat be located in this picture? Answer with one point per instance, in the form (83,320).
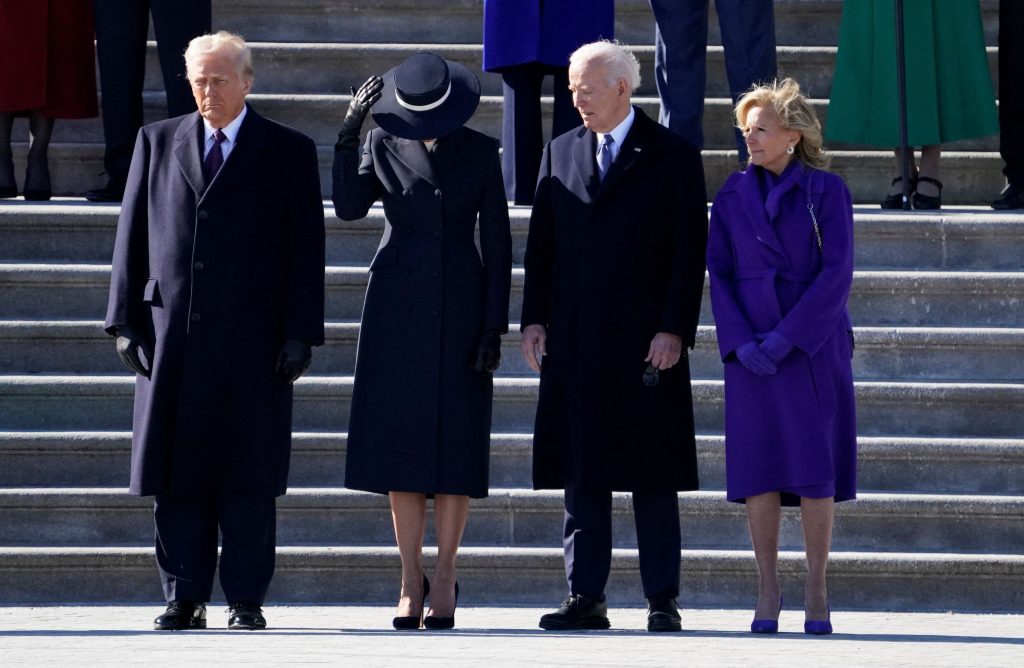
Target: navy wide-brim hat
(426,97)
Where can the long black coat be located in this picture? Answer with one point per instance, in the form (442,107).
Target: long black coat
(608,265)
(421,417)
(218,278)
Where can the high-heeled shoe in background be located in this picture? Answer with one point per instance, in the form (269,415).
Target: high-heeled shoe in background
(817,627)
(927,202)
(413,622)
(37,175)
(896,201)
(435,623)
(766,625)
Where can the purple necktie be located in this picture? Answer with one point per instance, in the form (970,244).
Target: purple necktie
(215,158)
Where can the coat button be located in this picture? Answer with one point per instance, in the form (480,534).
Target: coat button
(195,317)
(198,266)
(437,193)
(434,313)
(406,192)
(437,233)
(203,215)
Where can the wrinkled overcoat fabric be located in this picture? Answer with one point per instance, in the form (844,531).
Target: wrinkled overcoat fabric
(421,417)
(218,278)
(797,428)
(609,264)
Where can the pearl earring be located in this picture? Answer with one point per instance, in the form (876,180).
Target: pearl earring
(789,150)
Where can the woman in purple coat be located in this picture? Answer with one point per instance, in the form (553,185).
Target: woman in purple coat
(780,258)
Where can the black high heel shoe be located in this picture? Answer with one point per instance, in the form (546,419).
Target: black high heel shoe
(442,623)
(412,622)
(896,201)
(927,202)
(37,194)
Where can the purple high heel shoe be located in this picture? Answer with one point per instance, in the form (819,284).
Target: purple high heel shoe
(816,627)
(766,625)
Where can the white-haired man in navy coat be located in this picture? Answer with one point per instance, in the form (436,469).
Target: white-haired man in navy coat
(216,296)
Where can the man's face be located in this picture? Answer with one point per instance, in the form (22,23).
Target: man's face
(218,87)
(601,105)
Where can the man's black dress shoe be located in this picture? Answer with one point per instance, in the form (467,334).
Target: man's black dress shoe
(181,615)
(111,192)
(1012,197)
(246,617)
(663,615)
(577,612)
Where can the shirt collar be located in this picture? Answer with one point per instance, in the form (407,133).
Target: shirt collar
(620,131)
(230,130)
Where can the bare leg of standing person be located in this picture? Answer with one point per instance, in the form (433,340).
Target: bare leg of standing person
(450,514)
(817,516)
(930,167)
(409,515)
(764,513)
(37,173)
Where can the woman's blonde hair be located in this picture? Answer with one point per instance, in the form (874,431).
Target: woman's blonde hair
(794,112)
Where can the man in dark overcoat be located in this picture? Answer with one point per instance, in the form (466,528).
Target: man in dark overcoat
(614,278)
(217,294)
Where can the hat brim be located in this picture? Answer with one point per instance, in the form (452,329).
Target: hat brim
(452,114)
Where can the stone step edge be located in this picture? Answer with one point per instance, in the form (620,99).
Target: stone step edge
(877,564)
(907,337)
(952,507)
(351,275)
(505,388)
(892,447)
(979,218)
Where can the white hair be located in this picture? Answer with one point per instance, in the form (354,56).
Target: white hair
(615,56)
(222,41)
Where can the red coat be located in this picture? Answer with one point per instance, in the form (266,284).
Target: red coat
(49,61)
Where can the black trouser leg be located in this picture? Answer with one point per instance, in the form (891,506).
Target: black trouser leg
(522,136)
(248,539)
(587,541)
(658,538)
(175,24)
(1011,93)
(186,546)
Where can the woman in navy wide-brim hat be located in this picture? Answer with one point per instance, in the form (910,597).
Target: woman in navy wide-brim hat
(435,310)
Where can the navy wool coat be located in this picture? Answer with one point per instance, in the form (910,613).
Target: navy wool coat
(608,265)
(218,278)
(421,417)
(520,32)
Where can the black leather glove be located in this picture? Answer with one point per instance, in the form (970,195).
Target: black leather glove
(488,352)
(358,108)
(293,360)
(134,351)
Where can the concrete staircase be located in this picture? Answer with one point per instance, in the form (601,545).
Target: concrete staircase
(937,303)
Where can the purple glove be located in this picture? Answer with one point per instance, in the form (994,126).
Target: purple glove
(776,347)
(751,357)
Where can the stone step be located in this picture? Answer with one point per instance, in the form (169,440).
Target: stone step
(882,353)
(885,464)
(990,410)
(879,298)
(84,517)
(958,238)
(458,21)
(319,116)
(332,68)
(719,578)
(76,168)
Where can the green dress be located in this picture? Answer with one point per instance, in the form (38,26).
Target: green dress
(949,87)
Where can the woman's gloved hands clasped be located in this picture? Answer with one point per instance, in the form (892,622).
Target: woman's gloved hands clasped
(358,108)
(488,353)
(752,357)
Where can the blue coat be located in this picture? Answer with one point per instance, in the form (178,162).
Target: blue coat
(219,278)
(519,32)
(609,264)
(421,417)
(797,428)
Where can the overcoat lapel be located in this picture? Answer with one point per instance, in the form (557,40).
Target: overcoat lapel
(413,154)
(248,145)
(630,151)
(586,163)
(188,139)
(749,189)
